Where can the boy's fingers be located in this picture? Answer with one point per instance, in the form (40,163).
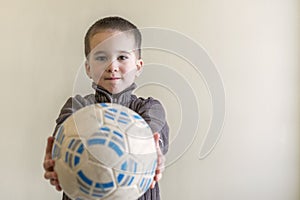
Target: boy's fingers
(48,165)
(152,184)
(54,182)
(157,177)
(58,188)
(50,141)
(160,163)
(160,157)
(50,175)
(156,138)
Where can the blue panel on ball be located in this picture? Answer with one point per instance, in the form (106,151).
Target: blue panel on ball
(142,183)
(56,151)
(153,167)
(97,195)
(124,114)
(113,110)
(83,190)
(71,143)
(84,178)
(137,117)
(98,185)
(148,184)
(80,149)
(59,131)
(96,141)
(108,185)
(104,185)
(118,134)
(124,166)
(67,157)
(132,178)
(120,177)
(62,139)
(122,121)
(76,160)
(115,148)
(104,128)
(135,167)
(109,117)
(103,104)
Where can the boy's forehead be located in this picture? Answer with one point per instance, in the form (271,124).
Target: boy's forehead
(111,41)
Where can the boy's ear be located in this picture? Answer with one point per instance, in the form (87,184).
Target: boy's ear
(139,65)
(87,69)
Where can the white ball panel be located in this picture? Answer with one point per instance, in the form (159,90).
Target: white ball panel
(68,182)
(141,146)
(122,193)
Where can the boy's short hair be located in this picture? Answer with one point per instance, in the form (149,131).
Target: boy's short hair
(114,23)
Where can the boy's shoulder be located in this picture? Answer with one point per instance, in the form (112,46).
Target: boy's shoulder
(148,108)
(78,101)
(146,103)
(73,104)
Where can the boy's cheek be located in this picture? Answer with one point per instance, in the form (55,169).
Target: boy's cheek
(98,76)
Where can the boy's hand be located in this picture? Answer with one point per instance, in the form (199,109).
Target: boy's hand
(160,161)
(48,164)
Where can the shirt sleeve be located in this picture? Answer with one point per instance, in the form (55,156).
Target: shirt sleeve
(72,105)
(154,114)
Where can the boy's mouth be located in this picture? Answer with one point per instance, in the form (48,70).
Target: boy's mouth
(112,78)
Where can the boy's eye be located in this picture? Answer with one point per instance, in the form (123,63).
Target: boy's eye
(122,57)
(101,58)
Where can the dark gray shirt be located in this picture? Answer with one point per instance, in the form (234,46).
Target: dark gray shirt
(150,109)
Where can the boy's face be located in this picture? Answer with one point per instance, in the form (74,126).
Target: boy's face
(112,62)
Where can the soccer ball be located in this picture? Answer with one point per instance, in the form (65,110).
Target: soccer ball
(104,151)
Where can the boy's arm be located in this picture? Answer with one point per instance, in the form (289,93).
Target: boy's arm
(154,114)
(69,107)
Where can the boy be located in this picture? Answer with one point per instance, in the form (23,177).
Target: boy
(113,61)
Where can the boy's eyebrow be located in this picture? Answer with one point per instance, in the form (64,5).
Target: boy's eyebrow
(118,51)
(123,51)
(99,52)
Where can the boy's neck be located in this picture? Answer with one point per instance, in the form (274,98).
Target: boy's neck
(102,95)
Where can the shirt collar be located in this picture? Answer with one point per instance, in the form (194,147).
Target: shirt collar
(102,95)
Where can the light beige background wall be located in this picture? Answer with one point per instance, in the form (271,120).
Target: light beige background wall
(255,45)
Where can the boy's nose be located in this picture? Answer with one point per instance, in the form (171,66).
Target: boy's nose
(113,66)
